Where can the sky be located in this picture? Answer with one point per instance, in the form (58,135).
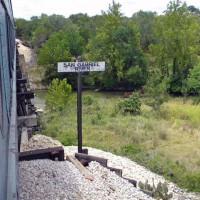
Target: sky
(28,8)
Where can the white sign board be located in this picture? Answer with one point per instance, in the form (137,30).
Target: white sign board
(81,66)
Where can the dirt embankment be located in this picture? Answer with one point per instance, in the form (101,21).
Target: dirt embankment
(35,74)
(29,54)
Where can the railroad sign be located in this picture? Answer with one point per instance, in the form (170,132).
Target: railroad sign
(81,66)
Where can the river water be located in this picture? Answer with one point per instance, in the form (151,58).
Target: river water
(38,102)
(39,98)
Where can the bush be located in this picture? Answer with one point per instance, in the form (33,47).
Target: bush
(156,89)
(58,96)
(131,105)
(88,100)
(98,119)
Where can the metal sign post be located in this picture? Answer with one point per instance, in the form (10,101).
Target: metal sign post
(79,108)
(80,67)
(79,112)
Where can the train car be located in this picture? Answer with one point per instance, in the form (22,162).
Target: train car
(8,104)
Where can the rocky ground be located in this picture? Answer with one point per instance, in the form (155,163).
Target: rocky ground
(29,54)
(31,65)
(45,179)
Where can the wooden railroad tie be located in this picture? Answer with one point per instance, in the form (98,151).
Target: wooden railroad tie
(81,168)
(89,158)
(102,161)
(55,153)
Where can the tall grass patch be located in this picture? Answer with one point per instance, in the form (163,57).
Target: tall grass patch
(182,112)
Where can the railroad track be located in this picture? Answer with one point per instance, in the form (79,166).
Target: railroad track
(92,168)
(99,164)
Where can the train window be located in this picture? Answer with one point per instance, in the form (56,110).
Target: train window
(4,55)
(9,41)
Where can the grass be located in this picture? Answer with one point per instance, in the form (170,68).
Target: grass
(167,142)
(178,111)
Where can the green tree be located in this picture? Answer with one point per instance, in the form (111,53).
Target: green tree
(156,90)
(54,50)
(46,26)
(86,24)
(193,9)
(117,43)
(176,52)
(193,83)
(73,38)
(145,22)
(23,29)
(193,80)
(61,46)
(58,95)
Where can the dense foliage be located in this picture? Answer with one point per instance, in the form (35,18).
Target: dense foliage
(145,23)
(192,84)
(176,50)
(157,90)
(117,43)
(63,45)
(193,81)
(131,47)
(58,96)
(130,105)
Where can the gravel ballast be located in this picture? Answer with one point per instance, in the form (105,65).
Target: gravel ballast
(46,179)
(53,180)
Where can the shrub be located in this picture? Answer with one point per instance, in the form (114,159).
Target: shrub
(88,100)
(156,89)
(98,119)
(162,135)
(58,96)
(130,105)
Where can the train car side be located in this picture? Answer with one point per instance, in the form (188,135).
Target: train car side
(8,107)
